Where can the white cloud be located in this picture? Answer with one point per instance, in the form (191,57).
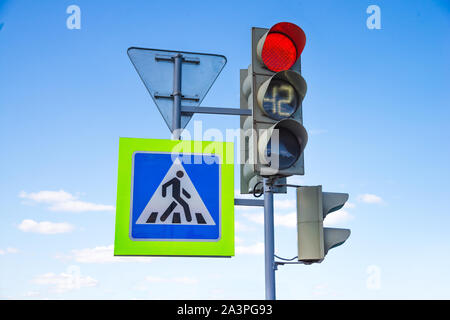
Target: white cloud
(44,227)
(257,248)
(349,205)
(241,227)
(100,254)
(80,206)
(32,294)
(285,204)
(370,198)
(64,282)
(284,220)
(63,201)
(255,217)
(238,239)
(176,280)
(337,218)
(8,250)
(47,196)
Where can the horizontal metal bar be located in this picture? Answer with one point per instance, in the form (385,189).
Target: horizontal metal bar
(163,57)
(191,60)
(170,96)
(214,110)
(160,57)
(163,96)
(288,185)
(249,202)
(192,98)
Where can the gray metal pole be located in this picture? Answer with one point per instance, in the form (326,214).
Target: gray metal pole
(269,247)
(176,115)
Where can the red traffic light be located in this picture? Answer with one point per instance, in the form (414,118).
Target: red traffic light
(282,46)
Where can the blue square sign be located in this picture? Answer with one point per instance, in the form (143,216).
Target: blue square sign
(175,197)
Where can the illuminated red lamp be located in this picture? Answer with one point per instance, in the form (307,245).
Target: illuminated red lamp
(282,46)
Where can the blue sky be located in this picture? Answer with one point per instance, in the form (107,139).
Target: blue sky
(377,111)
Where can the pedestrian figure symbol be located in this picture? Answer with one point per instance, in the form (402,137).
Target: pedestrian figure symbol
(175,183)
(176,194)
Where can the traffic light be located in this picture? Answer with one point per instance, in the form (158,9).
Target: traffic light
(273,137)
(313,206)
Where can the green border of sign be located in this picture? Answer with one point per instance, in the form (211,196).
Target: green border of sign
(125,246)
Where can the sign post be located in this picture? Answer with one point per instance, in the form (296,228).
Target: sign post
(269,241)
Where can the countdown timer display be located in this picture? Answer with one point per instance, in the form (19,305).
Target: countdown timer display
(281,100)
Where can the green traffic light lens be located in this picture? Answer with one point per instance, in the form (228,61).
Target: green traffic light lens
(280,100)
(288,149)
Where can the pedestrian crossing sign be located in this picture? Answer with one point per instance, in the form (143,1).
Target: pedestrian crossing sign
(175,198)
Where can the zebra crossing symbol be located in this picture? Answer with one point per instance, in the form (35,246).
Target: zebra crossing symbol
(176,201)
(175,197)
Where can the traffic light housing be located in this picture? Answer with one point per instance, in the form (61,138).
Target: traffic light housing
(273,137)
(313,205)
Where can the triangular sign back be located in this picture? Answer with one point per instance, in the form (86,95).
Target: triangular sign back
(157,74)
